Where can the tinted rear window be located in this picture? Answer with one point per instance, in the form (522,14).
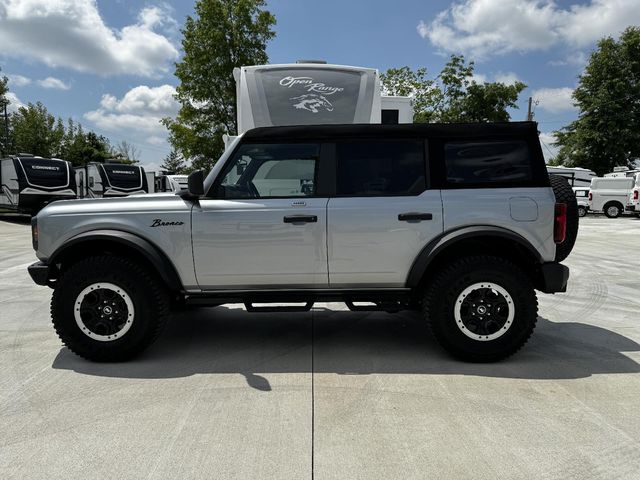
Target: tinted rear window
(45,173)
(123,176)
(380,168)
(488,162)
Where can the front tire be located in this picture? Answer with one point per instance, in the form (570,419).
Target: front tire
(481,309)
(108,309)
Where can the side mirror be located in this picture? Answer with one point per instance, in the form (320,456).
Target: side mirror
(195,185)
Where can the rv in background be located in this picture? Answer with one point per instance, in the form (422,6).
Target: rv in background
(96,180)
(170,183)
(577,177)
(29,183)
(610,195)
(311,92)
(622,172)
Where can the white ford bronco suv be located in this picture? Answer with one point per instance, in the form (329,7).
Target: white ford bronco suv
(460,221)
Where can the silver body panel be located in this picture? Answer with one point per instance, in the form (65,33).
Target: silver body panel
(63,220)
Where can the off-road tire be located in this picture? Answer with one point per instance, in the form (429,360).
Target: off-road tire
(449,283)
(610,214)
(565,194)
(146,292)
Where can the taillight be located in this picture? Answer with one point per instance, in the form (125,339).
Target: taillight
(590,196)
(635,194)
(560,224)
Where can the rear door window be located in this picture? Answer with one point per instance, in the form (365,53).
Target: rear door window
(484,163)
(380,168)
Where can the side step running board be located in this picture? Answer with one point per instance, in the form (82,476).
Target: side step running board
(279,308)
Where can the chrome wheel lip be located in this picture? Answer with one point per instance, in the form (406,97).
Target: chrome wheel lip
(458,317)
(116,290)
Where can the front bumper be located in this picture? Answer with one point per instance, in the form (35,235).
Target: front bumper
(554,277)
(39,272)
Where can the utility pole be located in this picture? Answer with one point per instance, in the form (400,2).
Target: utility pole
(529,112)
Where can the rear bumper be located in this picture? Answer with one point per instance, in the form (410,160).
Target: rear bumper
(39,272)
(554,277)
(631,208)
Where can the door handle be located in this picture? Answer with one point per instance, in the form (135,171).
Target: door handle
(414,216)
(300,219)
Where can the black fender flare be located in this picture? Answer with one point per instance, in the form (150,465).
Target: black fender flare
(160,262)
(450,237)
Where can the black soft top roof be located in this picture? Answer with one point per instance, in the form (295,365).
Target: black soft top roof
(429,130)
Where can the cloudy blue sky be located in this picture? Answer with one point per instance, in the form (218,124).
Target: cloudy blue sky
(109,64)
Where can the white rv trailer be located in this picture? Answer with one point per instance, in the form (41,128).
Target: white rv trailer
(96,180)
(577,177)
(28,183)
(313,93)
(622,172)
(170,183)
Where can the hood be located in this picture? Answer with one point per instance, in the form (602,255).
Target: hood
(134,203)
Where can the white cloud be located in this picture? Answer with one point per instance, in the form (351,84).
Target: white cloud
(71,33)
(508,78)
(554,100)
(482,28)
(138,111)
(53,83)
(19,80)
(14,102)
(548,150)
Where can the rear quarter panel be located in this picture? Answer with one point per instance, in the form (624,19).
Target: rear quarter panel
(528,212)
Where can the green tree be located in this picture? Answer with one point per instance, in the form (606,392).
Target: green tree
(126,152)
(4,127)
(34,130)
(405,82)
(607,131)
(454,95)
(173,163)
(223,35)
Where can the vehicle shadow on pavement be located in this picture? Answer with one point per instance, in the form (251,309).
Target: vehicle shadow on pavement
(15,218)
(223,341)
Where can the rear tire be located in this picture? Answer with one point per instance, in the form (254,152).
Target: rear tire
(613,209)
(565,194)
(582,212)
(460,302)
(108,309)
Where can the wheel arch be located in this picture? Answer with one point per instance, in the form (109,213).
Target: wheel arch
(120,243)
(474,240)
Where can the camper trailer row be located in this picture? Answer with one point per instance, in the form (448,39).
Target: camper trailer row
(612,194)
(29,183)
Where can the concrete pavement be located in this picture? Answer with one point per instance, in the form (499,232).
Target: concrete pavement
(227,394)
